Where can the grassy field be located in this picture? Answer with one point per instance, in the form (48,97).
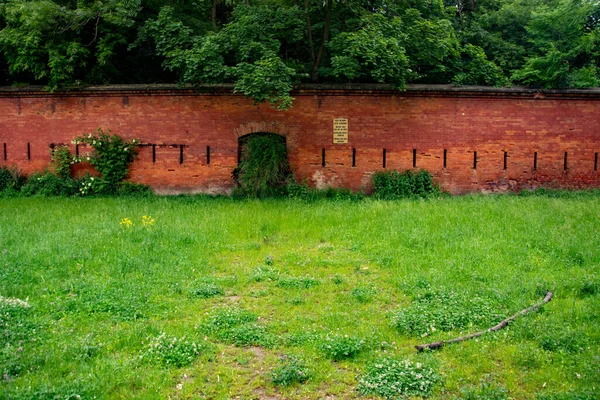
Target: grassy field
(218,299)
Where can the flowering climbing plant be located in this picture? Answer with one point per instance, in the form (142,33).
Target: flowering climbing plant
(111,156)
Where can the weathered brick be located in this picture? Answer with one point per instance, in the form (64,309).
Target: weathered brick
(460,121)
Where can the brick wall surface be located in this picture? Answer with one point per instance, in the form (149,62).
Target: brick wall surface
(489,138)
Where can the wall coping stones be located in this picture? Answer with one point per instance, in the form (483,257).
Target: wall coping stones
(413,90)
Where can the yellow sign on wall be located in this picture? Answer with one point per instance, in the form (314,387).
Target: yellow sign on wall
(340,131)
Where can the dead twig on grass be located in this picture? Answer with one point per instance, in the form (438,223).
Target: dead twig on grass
(502,324)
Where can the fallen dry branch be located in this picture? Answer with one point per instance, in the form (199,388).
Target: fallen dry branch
(501,325)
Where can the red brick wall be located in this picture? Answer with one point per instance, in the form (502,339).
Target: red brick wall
(429,120)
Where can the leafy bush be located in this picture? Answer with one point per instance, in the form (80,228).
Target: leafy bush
(127,188)
(293,282)
(172,351)
(298,190)
(445,311)
(338,347)
(11,178)
(49,184)
(264,168)
(62,161)
(392,379)
(290,370)
(111,157)
(391,185)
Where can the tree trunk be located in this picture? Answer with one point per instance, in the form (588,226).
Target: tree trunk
(317,61)
(213,14)
(309,29)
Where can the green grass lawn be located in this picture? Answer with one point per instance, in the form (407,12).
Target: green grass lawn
(218,299)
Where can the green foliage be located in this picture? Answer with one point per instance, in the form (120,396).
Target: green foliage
(69,254)
(478,70)
(73,390)
(486,391)
(582,394)
(246,335)
(372,53)
(264,48)
(11,178)
(119,303)
(264,168)
(63,43)
(265,274)
(111,156)
(62,160)
(389,185)
(363,294)
(15,324)
(266,80)
(236,326)
(127,188)
(339,347)
(564,46)
(291,370)
(301,191)
(392,379)
(432,47)
(171,351)
(293,282)
(435,311)
(48,184)
(207,290)
(563,340)
(589,287)
(226,318)
(247,51)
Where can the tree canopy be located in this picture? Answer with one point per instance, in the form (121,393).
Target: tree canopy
(265,47)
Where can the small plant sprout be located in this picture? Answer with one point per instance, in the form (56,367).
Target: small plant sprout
(291,370)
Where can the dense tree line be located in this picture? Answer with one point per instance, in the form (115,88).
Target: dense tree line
(265,47)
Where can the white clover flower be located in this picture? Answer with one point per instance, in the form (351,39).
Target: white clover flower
(14,302)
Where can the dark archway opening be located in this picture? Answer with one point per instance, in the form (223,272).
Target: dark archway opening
(263,168)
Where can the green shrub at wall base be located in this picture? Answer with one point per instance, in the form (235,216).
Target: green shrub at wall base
(62,160)
(49,184)
(111,157)
(264,168)
(11,178)
(391,185)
